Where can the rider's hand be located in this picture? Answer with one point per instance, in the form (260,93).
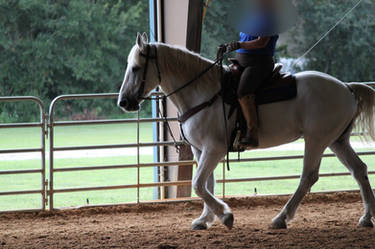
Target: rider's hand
(233,46)
(222,49)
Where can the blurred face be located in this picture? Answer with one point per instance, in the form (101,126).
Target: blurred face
(133,89)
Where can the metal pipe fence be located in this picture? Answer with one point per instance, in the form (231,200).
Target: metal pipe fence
(49,194)
(52,149)
(139,165)
(41,149)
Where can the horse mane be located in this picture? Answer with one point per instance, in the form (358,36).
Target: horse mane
(187,64)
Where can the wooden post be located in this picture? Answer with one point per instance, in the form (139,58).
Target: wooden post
(193,42)
(182,26)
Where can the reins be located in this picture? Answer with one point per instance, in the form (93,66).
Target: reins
(148,57)
(188,114)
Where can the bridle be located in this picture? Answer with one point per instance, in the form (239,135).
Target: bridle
(182,118)
(189,113)
(149,57)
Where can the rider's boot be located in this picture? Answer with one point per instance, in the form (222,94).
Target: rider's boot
(249,111)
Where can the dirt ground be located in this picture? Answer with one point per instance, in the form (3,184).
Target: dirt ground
(323,221)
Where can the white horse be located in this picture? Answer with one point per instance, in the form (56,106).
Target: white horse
(323,113)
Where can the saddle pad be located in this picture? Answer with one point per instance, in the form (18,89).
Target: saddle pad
(285,88)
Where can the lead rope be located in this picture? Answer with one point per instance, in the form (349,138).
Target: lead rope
(327,33)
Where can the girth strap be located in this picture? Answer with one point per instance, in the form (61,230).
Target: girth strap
(184,117)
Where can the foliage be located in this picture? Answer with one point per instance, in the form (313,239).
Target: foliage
(349,51)
(218,27)
(49,48)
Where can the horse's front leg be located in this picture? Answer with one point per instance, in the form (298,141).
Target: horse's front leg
(206,165)
(207,217)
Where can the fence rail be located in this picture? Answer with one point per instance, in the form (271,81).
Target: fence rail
(41,149)
(48,128)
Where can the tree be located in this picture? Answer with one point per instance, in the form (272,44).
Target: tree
(218,27)
(49,48)
(349,51)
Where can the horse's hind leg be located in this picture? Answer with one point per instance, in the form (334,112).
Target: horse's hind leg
(310,175)
(207,217)
(350,159)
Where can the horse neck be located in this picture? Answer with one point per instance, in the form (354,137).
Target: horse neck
(179,67)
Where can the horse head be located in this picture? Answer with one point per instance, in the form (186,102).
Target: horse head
(141,75)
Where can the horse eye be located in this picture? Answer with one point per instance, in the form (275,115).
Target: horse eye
(135,69)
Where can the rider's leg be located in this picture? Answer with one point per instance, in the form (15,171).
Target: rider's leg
(249,111)
(257,70)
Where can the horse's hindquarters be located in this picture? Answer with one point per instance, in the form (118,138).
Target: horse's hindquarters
(324,107)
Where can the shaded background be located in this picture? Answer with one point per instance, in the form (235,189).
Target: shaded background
(49,48)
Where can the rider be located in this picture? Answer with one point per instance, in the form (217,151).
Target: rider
(255,51)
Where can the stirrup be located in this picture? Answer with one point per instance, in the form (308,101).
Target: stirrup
(249,141)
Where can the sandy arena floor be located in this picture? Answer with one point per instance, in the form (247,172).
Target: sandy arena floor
(323,221)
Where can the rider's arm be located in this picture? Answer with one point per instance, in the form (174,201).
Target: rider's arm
(261,42)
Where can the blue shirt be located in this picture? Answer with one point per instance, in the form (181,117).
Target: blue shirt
(261,24)
(268,50)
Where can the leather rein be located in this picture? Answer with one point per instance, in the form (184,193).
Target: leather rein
(148,57)
(191,112)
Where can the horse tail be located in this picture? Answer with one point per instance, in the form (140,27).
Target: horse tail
(366,107)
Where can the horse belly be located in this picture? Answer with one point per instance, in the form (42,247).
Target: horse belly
(278,124)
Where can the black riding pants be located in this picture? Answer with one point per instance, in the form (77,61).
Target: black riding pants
(258,68)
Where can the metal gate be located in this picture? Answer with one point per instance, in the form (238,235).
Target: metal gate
(51,124)
(41,150)
(48,188)
(52,149)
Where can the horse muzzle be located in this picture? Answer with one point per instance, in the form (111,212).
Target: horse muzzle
(129,105)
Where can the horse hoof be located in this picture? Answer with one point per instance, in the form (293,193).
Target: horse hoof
(228,220)
(365,222)
(278,224)
(199,227)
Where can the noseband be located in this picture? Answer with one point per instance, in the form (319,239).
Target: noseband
(194,110)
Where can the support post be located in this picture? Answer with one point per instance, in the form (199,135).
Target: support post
(193,42)
(182,26)
(155,130)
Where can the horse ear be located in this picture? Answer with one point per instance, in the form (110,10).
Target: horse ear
(145,37)
(140,42)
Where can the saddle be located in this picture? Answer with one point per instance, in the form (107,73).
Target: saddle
(278,87)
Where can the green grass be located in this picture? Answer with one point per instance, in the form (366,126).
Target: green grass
(76,135)
(121,134)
